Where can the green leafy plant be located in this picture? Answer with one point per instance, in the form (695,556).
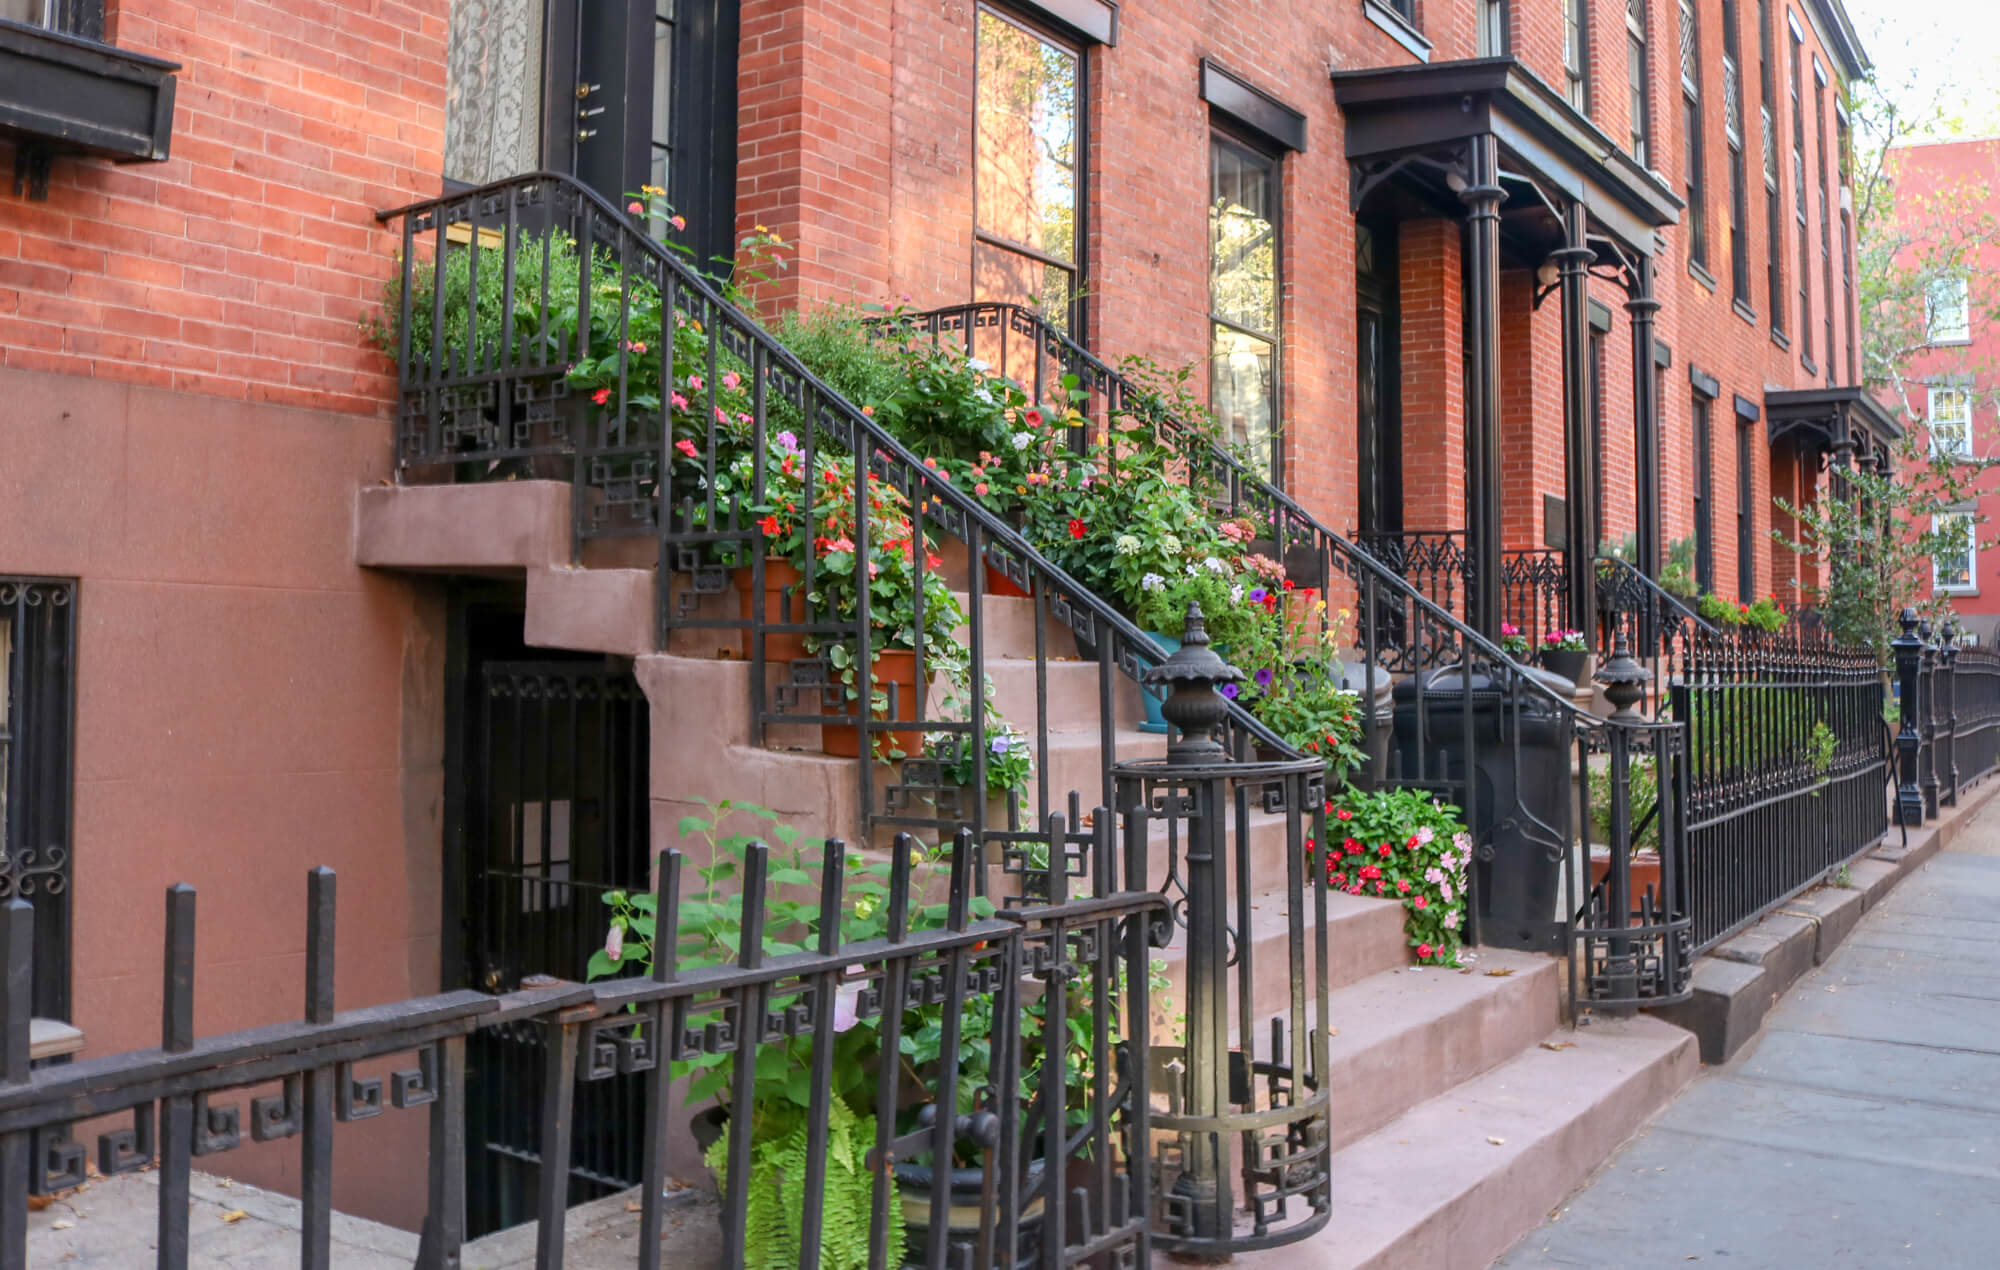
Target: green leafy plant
(1677,570)
(1403,844)
(1513,642)
(1563,642)
(1643,797)
(1766,615)
(1821,744)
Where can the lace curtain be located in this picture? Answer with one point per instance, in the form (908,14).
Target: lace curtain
(493,90)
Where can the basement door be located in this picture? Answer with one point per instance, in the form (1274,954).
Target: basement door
(556,815)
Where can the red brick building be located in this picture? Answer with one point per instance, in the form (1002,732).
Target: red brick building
(1950,385)
(1407,240)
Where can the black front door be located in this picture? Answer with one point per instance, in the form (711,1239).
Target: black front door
(552,812)
(1378,374)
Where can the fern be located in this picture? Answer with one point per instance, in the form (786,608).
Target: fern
(776,1193)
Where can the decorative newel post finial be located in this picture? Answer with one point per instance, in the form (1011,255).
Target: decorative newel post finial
(1193,706)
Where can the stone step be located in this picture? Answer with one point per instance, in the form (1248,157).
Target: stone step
(1073,690)
(1364,938)
(1455,1181)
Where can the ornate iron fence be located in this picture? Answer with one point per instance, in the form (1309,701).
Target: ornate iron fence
(1972,706)
(1652,618)
(1533,583)
(1787,769)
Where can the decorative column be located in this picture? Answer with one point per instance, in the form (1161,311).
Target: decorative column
(1927,694)
(1644,306)
(1580,509)
(1482,198)
(1909,652)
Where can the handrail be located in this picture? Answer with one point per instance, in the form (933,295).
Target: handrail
(1630,573)
(886,449)
(1240,478)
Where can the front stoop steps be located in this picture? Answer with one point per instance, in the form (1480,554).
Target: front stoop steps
(1463,1110)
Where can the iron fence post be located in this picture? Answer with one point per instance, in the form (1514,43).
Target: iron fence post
(1927,695)
(1951,711)
(17,952)
(1909,653)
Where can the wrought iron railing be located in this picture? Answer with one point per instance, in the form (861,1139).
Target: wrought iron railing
(1971,710)
(1443,708)
(1787,768)
(1652,618)
(1534,597)
(675,417)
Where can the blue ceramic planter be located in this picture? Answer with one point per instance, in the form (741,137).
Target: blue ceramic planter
(1152,698)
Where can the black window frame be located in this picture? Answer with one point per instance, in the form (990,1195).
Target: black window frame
(37,749)
(1774,201)
(1799,194)
(1703,420)
(1734,136)
(1746,507)
(1639,68)
(83,19)
(1220,133)
(1076,309)
(1577,85)
(1695,139)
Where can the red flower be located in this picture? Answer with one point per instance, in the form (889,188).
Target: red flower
(1077,529)
(1290,585)
(1032,417)
(1424,952)
(1421,902)
(1385,851)
(685,446)
(770,526)
(1340,879)
(1345,814)
(1404,887)
(1381,887)
(1350,846)
(1370,872)
(1330,739)
(1412,843)
(601,396)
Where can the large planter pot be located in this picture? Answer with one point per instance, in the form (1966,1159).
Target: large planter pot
(967,1202)
(998,583)
(779,577)
(894,666)
(1569,663)
(1645,871)
(1152,699)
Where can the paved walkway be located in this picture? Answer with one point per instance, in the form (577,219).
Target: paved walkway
(1860,1131)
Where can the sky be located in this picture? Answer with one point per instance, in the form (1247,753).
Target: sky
(1915,43)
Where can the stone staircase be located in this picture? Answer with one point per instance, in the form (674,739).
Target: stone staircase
(1463,1107)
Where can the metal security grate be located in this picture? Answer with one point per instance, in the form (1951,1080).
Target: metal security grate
(37,695)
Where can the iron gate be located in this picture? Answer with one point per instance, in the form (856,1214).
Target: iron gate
(557,817)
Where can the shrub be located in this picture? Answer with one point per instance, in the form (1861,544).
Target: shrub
(1404,844)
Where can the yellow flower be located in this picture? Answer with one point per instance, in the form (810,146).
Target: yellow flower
(762,230)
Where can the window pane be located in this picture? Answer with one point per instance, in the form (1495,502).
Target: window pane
(493,90)
(1635,70)
(1952,565)
(1243,237)
(1027,126)
(999,274)
(1243,376)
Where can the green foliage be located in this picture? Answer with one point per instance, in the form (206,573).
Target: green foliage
(1766,615)
(1643,796)
(1294,688)
(1401,843)
(1009,761)
(1677,570)
(1721,611)
(1820,746)
(776,1193)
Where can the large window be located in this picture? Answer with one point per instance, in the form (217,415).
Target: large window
(1746,509)
(1799,189)
(1576,53)
(1028,234)
(1948,310)
(1638,77)
(1774,203)
(1704,494)
(1493,28)
(1693,137)
(1732,133)
(1825,214)
(1955,560)
(37,689)
(1949,419)
(1243,284)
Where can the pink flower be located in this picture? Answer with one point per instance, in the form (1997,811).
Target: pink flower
(680,402)
(1424,952)
(980,488)
(731,379)
(1421,902)
(685,446)
(614,942)
(678,222)
(694,383)
(847,1001)
(721,415)
(635,207)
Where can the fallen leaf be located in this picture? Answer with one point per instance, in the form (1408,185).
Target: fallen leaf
(234,1215)
(632,1206)
(1558,1045)
(1498,1142)
(1498,974)
(61,1225)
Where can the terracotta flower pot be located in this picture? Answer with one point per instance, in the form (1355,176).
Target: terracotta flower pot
(897,667)
(998,583)
(779,575)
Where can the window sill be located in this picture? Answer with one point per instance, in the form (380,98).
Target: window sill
(52,1038)
(1957,343)
(1811,366)
(1962,592)
(1701,275)
(1779,338)
(1744,311)
(1398,28)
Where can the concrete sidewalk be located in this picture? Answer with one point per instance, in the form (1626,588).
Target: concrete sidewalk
(1860,1131)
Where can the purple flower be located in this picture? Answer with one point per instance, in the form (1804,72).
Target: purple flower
(787,440)
(1229,691)
(1001,746)
(1264,677)
(1257,594)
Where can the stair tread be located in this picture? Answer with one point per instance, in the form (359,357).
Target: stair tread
(1455,1181)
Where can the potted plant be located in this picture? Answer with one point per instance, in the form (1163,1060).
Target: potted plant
(1514,643)
(1564,653)
(1403,845)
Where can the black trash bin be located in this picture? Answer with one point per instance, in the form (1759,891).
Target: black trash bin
(1524,799)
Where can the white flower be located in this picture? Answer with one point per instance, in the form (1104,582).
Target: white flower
(1022,439)
(847,1001)
(1214,565)
(1424,835)
(983,395)
(614,942)
(1193,570)
(973,363)
(1170,544)
(1127,545)
(1152,582)
(1236,594)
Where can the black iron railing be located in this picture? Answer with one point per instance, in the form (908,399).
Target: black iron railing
(675,417)
(1972,715)
(1787,767)
(1444,709)
(1533,583)
(1652,618)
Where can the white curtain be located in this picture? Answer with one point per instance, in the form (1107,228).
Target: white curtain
(493,90)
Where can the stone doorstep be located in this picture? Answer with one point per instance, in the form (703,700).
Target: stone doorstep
(1736,985)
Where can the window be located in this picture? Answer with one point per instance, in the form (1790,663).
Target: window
(1697,205)
(1949,420)
(1799,188)
(1954,553)
(1704,495)
(1027,238)
(1774,203)
(1732,132)
(1598,354)
(1243,288)
(493,91)
(1576,54)
(1825,211)
(1948,310)
(81,18)
(37,689)
(1636,76)
(1404,9)
(1493,28)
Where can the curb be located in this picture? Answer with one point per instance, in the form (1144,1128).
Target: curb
(1737,982)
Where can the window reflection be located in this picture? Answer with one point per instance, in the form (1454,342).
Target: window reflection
(1243,298)
(1026,180)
